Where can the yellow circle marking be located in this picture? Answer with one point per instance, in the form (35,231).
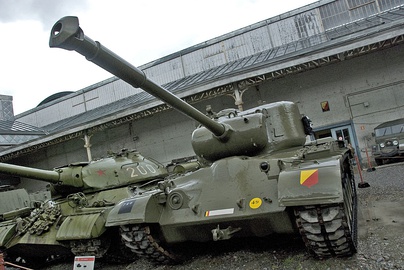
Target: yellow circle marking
(255,203)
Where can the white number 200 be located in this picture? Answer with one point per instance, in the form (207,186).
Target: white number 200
(143,170)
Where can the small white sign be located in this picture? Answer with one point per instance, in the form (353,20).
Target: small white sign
(219,212)
(84,263)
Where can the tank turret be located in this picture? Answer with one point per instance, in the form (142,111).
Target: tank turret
(264,129)
(121,169)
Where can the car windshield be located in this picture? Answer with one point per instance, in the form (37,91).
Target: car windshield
(389,130)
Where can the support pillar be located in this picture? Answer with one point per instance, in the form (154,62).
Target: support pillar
(87,145)
(238,96)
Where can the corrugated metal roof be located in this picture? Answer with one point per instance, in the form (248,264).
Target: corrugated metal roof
(271,55)
(112,108)
(351,30)
(15,127)
(14,133)
(259,49)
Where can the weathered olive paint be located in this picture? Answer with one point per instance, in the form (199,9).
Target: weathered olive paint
(252,169)
(125,168)
(252,162)
(14,205)
(83,195)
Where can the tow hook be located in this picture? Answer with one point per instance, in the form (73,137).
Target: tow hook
(225,234)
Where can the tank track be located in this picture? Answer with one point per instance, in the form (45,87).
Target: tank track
(331,230)
(140,241)
(90,247)
(113,252)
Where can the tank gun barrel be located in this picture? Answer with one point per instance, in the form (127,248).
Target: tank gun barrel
(67,34)
(44,175)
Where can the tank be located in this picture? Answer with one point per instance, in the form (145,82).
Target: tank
(73,221)
(260,176)
(15,204)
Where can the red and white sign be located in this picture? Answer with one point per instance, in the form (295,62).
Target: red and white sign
(84,263)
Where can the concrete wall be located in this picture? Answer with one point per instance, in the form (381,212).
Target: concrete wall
(366,90)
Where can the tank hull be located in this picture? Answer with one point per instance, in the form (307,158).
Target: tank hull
(65,227)
(250,196)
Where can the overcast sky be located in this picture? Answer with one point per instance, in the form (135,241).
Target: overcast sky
(140,31)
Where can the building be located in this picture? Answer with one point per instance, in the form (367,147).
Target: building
(13,133)
(340,61)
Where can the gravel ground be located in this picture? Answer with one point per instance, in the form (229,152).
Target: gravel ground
(381,240)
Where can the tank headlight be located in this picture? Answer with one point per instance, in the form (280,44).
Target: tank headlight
(382,145)
(395,142)
(264,166)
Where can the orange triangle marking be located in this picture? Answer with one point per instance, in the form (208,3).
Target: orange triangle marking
(309,177)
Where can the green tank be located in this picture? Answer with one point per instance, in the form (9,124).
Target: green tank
(260,176)
(73,221)
(15,204)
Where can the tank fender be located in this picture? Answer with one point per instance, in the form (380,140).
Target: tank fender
(135,210)
(82,226)
(311,183)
